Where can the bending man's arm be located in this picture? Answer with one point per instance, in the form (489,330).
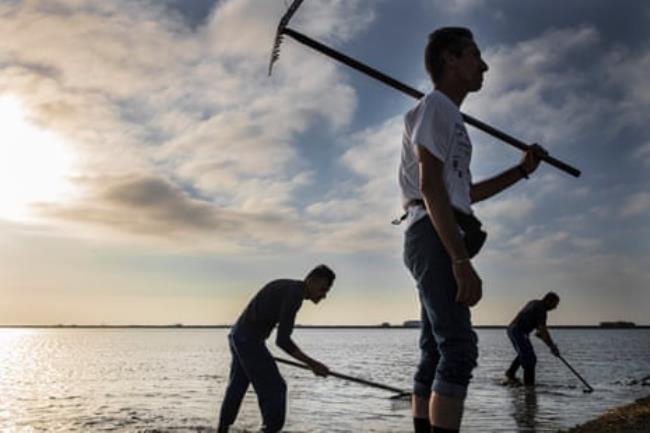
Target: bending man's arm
(441,213)
(284,341)
(545,336)
(318,368)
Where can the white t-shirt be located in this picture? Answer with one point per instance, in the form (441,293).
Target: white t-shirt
(436,124)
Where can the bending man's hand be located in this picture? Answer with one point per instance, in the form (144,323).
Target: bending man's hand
(469,285)
(319,369)
(554,350)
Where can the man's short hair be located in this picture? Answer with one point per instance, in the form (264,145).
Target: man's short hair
(451,39)
(551,297)
(322,271)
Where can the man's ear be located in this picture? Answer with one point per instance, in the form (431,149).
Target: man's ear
(449,58)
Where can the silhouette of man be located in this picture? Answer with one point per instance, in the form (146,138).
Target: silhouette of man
(277,303)
(532,316)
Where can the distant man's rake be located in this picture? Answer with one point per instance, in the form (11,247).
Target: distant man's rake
(283,29)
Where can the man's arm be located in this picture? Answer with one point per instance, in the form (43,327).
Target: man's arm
(284,341)
(439,208)
(318,368)
(545,336)
(490,187)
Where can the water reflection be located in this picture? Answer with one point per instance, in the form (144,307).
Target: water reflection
(171,380)
(524,408)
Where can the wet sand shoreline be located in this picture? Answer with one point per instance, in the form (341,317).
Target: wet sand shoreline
(631,418)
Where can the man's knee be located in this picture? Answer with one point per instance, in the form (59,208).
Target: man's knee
(429,359)
(281,388)
(462,349)
(458,359)
(529,361)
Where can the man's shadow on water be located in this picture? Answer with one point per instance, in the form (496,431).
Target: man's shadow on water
(524,409)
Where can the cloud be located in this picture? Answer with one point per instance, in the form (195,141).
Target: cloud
(502,217)
(635,205)
(561,86)
(334,20)
(363,207)
(541,247)
(145,205)
(587,244)
(154,208)
(460,6)
(642,153)
(530,85)
(625,71)
(179,126)
(513,208)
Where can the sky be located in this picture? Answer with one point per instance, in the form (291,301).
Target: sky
(151,172)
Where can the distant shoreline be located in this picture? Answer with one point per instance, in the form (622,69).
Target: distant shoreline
(179,326)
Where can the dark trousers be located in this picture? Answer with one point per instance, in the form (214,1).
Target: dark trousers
(448,344)
(525,356)
(252,363)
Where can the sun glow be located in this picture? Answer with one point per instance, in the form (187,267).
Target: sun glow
(35,164)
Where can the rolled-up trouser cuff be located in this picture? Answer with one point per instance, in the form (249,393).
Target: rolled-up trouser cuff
(421,390)
(449,389)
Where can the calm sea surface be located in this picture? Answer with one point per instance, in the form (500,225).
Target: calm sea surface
(172,380)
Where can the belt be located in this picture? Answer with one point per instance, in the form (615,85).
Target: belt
(474,237)
(412,202)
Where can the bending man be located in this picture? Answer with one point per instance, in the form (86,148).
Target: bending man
(532,316)
(275,304)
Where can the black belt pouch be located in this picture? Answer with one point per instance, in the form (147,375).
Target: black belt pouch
(474,236)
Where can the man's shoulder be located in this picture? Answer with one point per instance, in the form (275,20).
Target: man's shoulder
(529,308)
(537,308)
(434,104)
(285,282)
(441,102)
(537,303)
(285,286)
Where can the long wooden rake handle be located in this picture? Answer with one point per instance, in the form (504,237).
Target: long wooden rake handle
(589,388)
(346,377)
(380,76)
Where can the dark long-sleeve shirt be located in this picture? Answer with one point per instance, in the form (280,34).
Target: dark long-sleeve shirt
(532,316)
(275,304)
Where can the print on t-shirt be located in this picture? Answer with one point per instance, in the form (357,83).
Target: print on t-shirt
(462,152)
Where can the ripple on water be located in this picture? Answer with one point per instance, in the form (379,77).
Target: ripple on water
(173,380)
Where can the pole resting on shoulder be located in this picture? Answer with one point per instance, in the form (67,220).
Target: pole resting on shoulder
(283,29)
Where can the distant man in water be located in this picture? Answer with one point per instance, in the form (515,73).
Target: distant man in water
(275,304)
(532,316)
(441,234)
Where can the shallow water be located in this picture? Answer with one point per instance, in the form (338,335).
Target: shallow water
(172,380)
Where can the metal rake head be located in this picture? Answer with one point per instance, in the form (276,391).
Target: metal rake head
(275,52)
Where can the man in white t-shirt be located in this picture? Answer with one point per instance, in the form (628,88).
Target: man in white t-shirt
(437,194)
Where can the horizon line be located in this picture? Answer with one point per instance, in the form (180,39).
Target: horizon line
(604,325)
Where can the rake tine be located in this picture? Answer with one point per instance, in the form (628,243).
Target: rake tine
(275,51)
